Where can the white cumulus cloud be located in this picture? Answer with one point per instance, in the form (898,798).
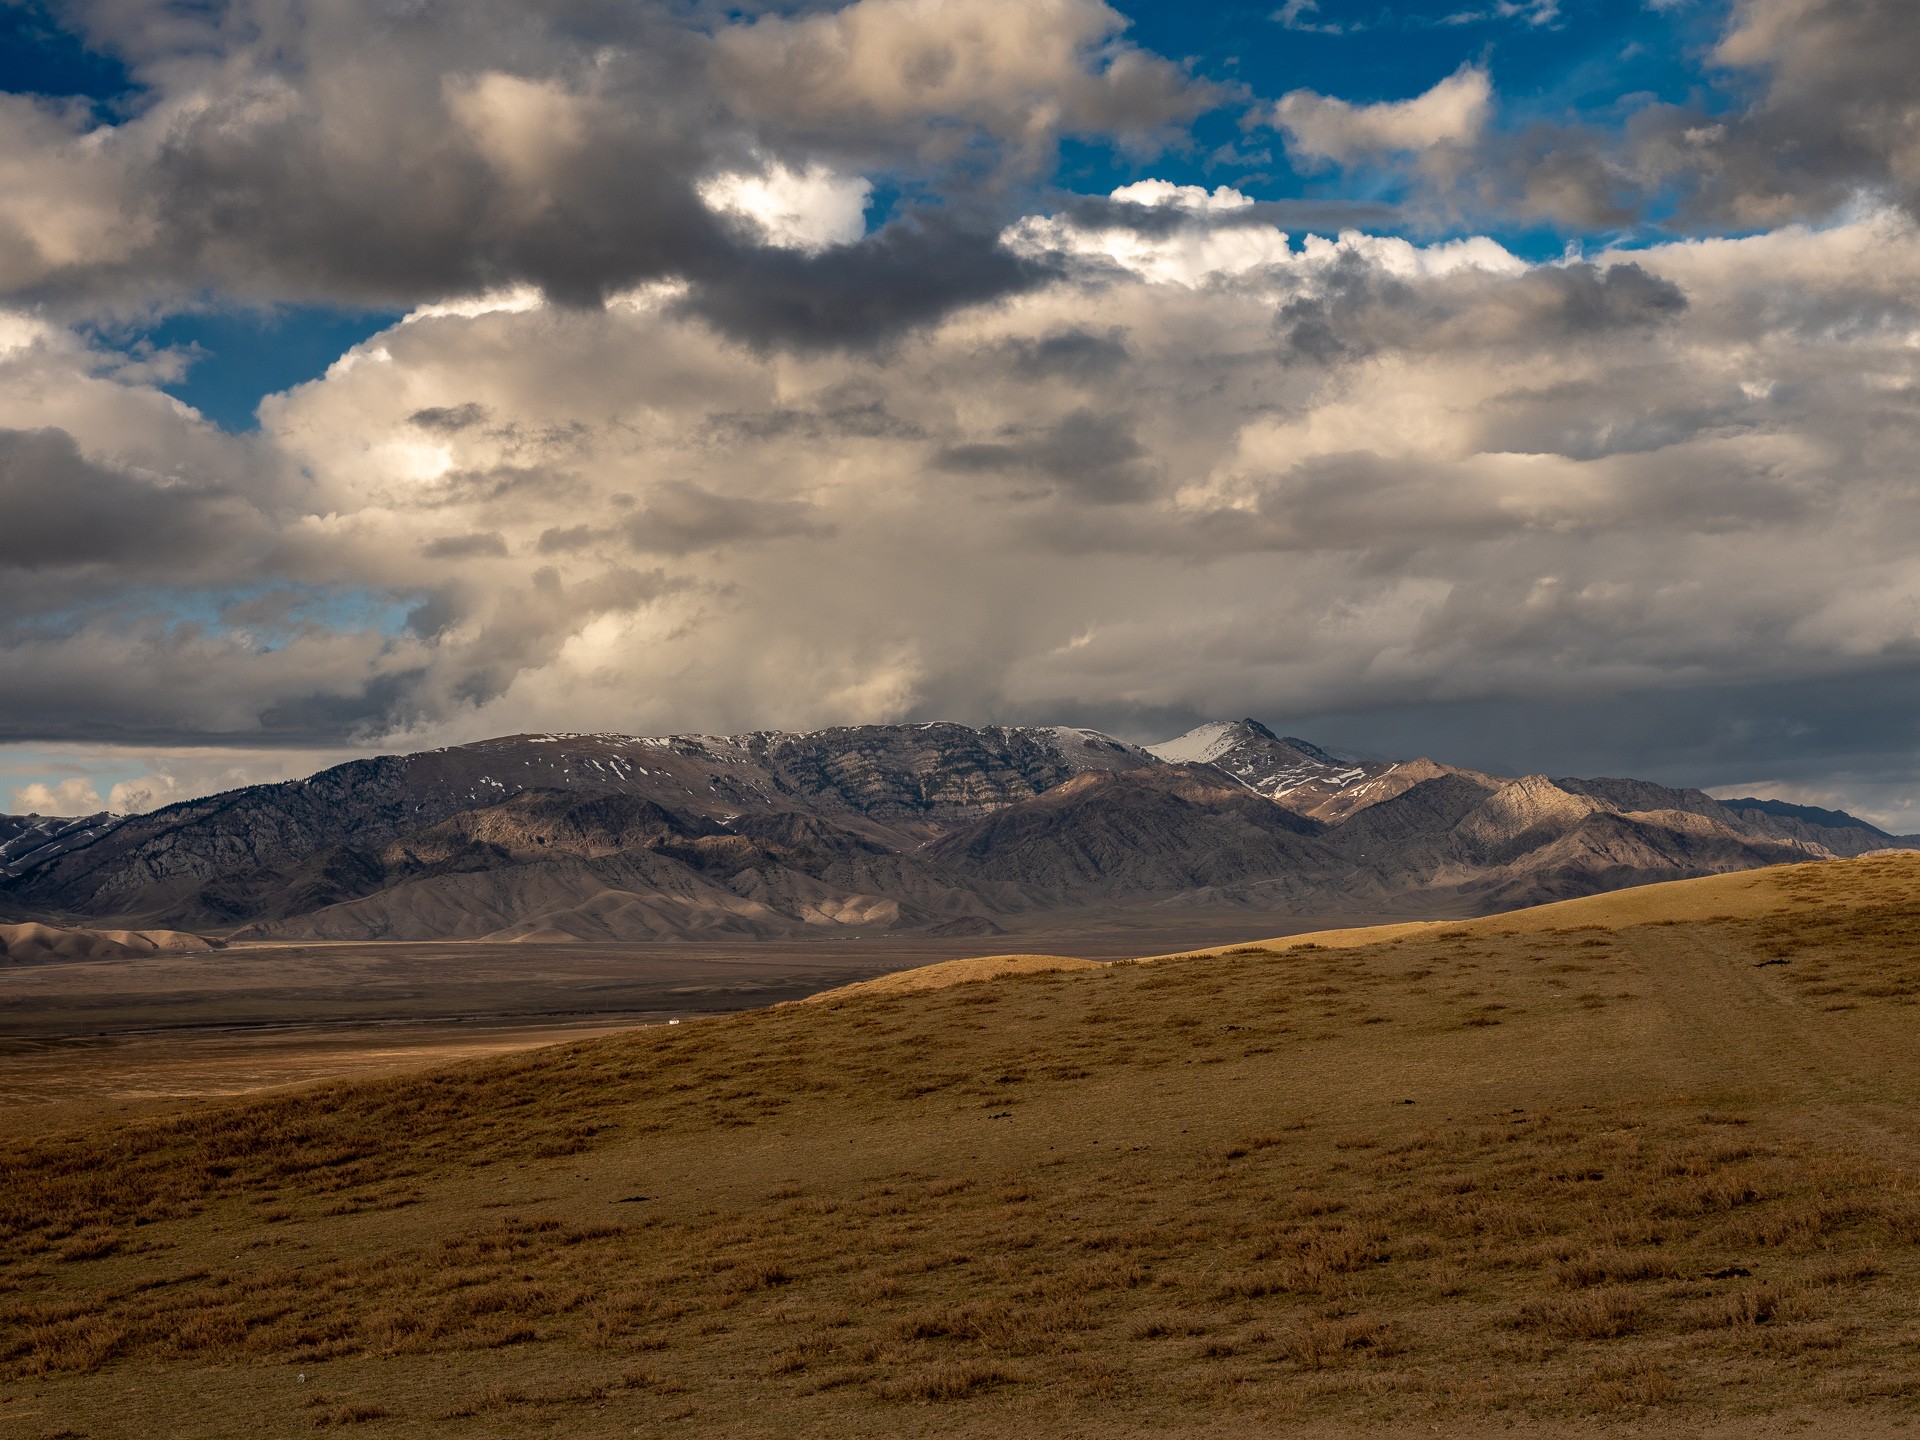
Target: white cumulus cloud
(810,209)
(1323,127)
(1217,246)
(73,796)
(1195,198)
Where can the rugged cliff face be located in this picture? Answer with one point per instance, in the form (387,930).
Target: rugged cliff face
(933,775)
(938,827)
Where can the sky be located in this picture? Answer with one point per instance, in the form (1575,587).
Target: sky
(1527,383)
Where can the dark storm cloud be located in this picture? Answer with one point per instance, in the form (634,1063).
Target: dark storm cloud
(126,674)
(851,410)
(1071,353)
(499,483)
(1863,725)
(376,708)
(1584,421)
(1359,310)
(555,540)
(465,547)
(1587,299)
(449,419)
(908,273)
(1087,455)
(681,519)
(1847,741)
(59,509)
(386,154)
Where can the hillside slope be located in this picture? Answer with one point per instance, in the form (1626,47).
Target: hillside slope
(1650,1159)
(32,944)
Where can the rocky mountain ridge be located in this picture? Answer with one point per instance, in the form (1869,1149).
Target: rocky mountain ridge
(942,828)
(27,840)
(1296,773)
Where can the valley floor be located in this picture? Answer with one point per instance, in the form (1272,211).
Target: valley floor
(84,1040)
(1648,1162)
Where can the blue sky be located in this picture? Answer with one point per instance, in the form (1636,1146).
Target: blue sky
(40,54)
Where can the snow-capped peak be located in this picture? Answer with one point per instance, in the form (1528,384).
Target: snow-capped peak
(1201,745)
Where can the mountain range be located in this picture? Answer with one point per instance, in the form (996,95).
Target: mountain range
(938,828)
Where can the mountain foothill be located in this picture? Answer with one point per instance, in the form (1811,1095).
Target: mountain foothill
(939,829)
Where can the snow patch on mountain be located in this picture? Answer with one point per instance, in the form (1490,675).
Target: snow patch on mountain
(1201,745)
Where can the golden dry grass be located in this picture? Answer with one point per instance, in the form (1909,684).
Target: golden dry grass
(1468,1176)
(955,972)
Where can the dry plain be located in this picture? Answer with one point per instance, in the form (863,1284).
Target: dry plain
(1648,1162)
(165,1032)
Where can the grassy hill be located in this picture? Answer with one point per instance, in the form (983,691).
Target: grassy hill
(1648,1158)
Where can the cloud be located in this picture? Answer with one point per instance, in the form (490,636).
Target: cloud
(135,780)
(145,793)
(807,210)
(58,509)
(1194,199)
(462,547)
(1195,239)
(906,274)
(1835,111)
(1300,15)
(1365,473)
(1813,117)
(681,519)
(670,439)
(918,74)
(1087,455)
(73,796)
(1322,127)
(418,156)
(1478,472)
(1535,13)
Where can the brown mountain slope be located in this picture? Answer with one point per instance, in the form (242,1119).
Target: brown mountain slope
(1475,844)
(1141,833)
(553,864)
(1645,1161)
